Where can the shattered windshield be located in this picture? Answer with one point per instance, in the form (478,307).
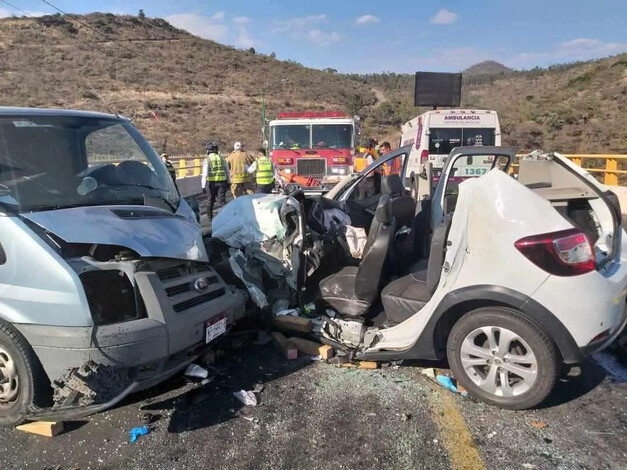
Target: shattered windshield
(297,136)
(55,162)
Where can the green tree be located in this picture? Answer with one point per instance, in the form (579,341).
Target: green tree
(141,14)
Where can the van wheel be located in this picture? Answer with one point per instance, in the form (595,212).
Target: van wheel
(502,358)
(21,376)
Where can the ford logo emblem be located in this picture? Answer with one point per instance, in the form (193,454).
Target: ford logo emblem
(201,284)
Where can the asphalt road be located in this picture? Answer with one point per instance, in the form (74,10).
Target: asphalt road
(315,416)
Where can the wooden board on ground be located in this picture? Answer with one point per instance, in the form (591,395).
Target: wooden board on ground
(286,347)
(360,365)
(42,428)
(290,323)
(312,348)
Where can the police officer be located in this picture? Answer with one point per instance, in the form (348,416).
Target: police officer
(264,169)
(214,177)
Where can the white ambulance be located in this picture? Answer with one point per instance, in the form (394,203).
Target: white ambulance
(434,134)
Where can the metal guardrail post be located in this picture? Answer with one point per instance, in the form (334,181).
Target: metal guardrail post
(611,167)
(182,173)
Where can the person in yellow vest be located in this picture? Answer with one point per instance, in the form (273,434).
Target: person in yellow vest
(239,161)
(215,176)
(264,170)
(367,186)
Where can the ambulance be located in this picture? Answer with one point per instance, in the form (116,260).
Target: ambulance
(434,134)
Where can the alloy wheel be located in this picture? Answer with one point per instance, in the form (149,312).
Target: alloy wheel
(499,361)
(9,379)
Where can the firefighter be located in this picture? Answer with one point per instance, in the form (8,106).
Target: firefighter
(215,176)
(264,170)
(367,186)
(239,162)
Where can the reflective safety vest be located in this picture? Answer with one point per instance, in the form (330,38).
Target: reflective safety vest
(238,162)
(359,163)
(265,173)
(393,167)
(217,171)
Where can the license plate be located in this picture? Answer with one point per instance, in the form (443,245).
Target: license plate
(215,327)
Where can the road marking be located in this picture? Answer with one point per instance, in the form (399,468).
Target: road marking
(456,436)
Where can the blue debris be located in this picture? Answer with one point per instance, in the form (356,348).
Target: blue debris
(448,384)
(136,432)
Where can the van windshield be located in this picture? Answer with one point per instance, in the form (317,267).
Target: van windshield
(443,140)
(55,162)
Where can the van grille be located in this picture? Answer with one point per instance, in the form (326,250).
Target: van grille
(201,299)
(187,287)
(314,167)
(175,272)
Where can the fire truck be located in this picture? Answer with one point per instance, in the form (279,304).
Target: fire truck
(316,145)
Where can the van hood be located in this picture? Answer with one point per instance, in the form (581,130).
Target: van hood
(149,231)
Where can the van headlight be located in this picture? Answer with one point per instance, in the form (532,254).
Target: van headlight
(111,296)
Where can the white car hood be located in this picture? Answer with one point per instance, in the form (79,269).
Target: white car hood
(149,231)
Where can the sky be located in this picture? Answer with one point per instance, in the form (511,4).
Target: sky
(394,36)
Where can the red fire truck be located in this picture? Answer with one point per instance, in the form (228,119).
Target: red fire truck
(318,145)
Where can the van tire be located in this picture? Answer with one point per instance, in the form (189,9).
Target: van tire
(505,320)
(32,382)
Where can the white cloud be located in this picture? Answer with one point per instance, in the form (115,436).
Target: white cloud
(367,19)
(568,51)
(219,16)
(323,38)
(303,27)
(292,25)
(203,26)
(6,13)
(445,17)
(242,20)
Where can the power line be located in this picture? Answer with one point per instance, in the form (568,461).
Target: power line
(16,8)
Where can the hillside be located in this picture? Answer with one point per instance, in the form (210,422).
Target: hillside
(202,90)
(488,67)
(572,108)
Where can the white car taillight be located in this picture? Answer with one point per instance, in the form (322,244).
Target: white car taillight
(564,253)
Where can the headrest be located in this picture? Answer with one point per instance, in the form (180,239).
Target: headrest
(392,184)
(383,213)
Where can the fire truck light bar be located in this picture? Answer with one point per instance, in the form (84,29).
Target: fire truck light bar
(313,114)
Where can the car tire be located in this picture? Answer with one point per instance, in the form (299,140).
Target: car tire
(414,189)
(502,358)
(23,381)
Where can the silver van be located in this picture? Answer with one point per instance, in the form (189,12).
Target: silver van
(105,284)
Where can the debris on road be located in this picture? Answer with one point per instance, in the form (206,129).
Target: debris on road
(538,424)
(312,348)
(429,372)
(284,345)
(359,365)
(42,428)
(248,398)
(406,417)
(195,371)
(137,432)
(447,382)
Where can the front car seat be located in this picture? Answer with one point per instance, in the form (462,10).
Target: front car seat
(403,209)
(353,289)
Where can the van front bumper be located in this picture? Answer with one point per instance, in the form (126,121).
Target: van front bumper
(125,357)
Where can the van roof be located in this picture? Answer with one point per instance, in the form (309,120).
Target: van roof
(14,111)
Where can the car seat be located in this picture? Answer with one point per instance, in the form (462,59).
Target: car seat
(406,295)
(353,289)
(403,208)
